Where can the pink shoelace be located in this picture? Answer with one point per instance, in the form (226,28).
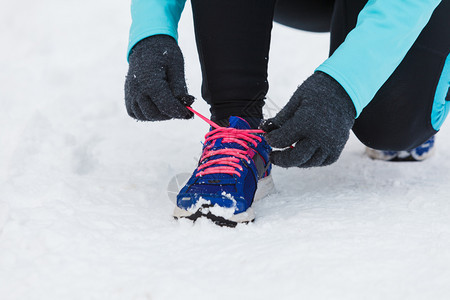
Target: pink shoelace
(227,164)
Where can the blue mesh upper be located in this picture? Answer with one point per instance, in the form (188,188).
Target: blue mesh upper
(212,186)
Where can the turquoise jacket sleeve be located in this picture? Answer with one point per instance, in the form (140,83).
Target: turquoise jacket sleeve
(152,17)
(385,31)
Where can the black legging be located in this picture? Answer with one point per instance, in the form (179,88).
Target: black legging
(233,38)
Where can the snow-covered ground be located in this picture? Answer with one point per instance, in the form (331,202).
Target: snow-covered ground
(84,211)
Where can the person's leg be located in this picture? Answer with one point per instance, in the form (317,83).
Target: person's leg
(305,15)
(233,39)
(410,107)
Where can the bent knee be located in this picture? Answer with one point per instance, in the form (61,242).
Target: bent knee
(392,139)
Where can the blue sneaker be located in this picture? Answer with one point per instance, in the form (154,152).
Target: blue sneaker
(420,153)
(233,172)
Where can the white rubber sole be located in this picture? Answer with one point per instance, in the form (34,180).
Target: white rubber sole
(265,187)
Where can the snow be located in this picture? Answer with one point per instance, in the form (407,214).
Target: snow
(84,210)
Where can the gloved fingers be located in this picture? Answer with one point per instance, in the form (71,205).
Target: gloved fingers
(316,160)
(132,96)
(167,104)
(148,110)
(176,77)
(268,125)
(129,92)
(186,100)
(331,159)
(289,133)
(139,105)
(130,112)
(177,82)
(137,113)
(293,157)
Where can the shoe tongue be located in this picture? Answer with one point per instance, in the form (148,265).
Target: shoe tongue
(233,122)
(238,123)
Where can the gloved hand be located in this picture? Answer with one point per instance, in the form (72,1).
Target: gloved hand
(155,86)
(318,118)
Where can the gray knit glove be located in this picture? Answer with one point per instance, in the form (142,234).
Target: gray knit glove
(318,119)
(155,86)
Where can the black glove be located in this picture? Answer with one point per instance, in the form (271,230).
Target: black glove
(318,118)
(155,87)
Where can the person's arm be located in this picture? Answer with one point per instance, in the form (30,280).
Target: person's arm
(154,17)
(319,116)
(155,85)
(385,31)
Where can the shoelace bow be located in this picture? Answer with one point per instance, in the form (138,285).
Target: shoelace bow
(230,162)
